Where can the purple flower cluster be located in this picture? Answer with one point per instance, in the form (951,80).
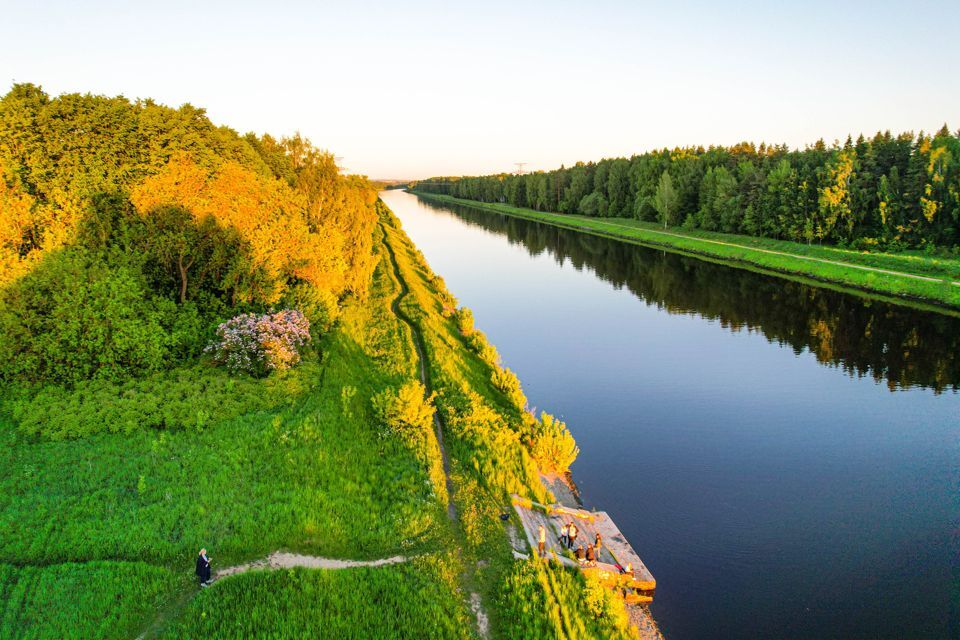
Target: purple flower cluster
(259,344)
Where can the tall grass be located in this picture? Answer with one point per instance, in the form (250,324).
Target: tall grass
(540,601)
(396,602)
(190,397)
(91,600)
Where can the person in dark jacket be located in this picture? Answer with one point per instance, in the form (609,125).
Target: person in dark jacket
(203,568)
(591,555)
(579,553)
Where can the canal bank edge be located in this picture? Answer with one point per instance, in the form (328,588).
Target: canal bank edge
(903,288)
(561,488)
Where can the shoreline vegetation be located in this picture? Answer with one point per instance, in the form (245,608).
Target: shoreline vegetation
(904,278)
(126,445)
(886,208)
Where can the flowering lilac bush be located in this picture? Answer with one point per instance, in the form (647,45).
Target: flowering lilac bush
(259,344)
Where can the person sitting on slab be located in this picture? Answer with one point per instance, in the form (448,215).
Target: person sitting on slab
(203,568)
(579,554)
(591,555)
(541,540)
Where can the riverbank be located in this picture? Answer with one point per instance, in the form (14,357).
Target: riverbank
(907,277)
(481,433)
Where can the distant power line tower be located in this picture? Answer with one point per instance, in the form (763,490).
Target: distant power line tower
(520,166)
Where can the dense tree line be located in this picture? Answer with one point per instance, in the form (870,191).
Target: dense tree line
(890,343)
(887,191)
(128,229)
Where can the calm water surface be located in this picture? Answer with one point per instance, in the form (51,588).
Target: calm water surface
(783,457)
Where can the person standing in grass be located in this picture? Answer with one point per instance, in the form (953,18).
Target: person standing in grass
(203,568)
(541,540)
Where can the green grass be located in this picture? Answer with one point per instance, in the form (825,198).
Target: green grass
(415,601)
(306,477)
(183,398)
(91,600)
(540,600)
(751,251)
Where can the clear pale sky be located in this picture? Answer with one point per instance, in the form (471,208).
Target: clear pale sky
(415,89)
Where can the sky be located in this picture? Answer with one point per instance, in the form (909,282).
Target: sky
(416,89)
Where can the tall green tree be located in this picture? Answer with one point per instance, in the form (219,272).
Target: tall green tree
(666,200)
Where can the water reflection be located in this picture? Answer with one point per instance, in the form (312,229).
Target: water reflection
(903,346)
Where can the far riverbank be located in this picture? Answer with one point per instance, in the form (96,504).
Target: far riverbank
(930,282)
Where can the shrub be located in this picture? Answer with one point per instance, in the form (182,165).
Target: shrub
(477,342)
(406,411)
(464,320)
(319,305)
(553,447)
(258,344)
(80,315)
(182,398)
(507,382)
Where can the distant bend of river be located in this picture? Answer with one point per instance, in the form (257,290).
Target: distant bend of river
(785,458)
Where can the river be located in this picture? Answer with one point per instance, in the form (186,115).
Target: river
(785,458)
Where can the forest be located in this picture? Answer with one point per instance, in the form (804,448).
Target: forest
(154,224)
(883,193)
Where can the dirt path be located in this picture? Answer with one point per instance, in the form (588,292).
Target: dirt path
(284,560)
(476,603)
(274,561)
(424,370)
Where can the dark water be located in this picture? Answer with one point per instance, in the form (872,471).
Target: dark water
(785,458)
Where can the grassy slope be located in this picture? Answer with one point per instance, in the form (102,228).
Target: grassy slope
(98,534)
(525,599)
(752,251)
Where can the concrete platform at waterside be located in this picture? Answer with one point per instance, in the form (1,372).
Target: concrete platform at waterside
(638,588)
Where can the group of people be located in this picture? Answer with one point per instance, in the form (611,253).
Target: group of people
(568,538)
